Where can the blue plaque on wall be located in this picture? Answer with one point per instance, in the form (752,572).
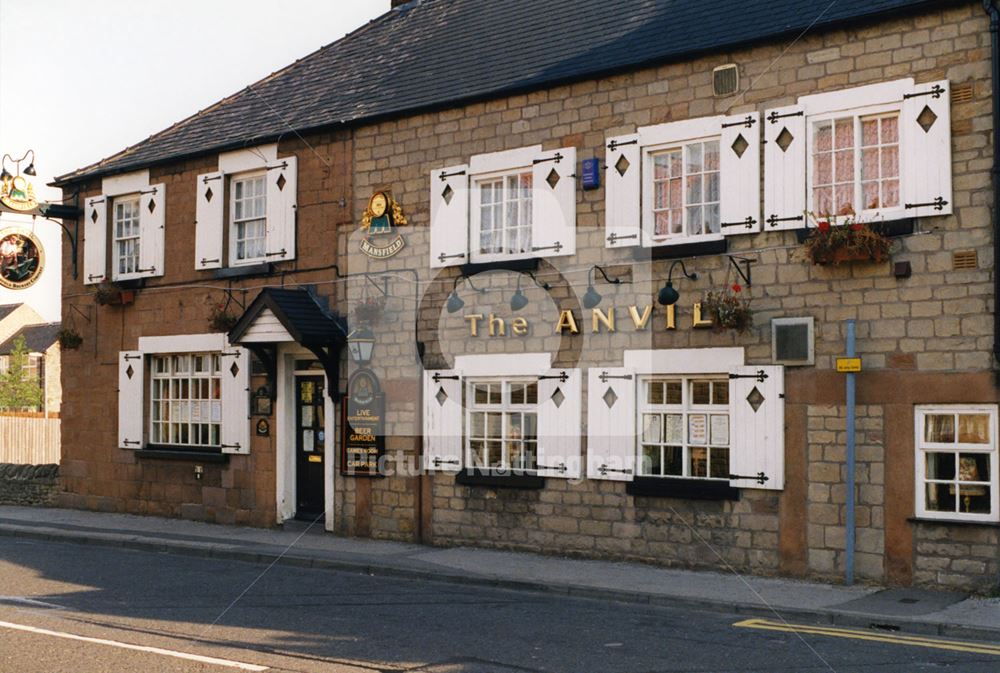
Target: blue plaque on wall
(591,173)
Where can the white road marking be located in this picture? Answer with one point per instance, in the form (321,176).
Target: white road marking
(138,648)
(22,600)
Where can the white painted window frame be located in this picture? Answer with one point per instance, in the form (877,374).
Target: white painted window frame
(810,323)
(920,448)
(191,375)
(116,256)
(505,407)
(685,409)
(475,206)
(233,223)
(648,217)
(857,114)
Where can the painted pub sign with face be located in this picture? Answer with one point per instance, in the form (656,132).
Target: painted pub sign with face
(382,216)
(21,259)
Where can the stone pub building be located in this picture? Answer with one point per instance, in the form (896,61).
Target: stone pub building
(467,292)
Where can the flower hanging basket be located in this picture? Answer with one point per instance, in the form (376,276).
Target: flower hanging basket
(369,310)
(848,242)
(110,294)
(69,339)
(729,309)
(221,319)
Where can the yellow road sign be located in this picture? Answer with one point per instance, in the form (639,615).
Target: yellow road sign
(848,364)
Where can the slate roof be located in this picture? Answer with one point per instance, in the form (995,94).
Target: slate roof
(7,309)
(37,338)
(431,53)
(299,313)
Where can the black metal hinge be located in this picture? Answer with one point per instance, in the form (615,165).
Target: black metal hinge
(773,219)
(209,261)
(444,176)
(93,277)
(437,378)
(151,269)
(748,223)
(280,253)
(234,354)
(205,179)
(760,376)
(760,477)
(614,238)
(557,157)
(132,357)
(283,164)
(934,92)
(774,116)
(443,256)
(747,122)
(557,246)
(149,191)
(561,467)
(604,377)
(604,469)
(437,462)
(229,446)
(130,442)
(614,144)
(939,203)
(562,377)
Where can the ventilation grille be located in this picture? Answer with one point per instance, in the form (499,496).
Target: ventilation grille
(962,260)
(726,80)
(963,93)
(792,341)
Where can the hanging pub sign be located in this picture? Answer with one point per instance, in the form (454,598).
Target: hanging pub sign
(362,426)
(17,193)
(21,259)
(382,216)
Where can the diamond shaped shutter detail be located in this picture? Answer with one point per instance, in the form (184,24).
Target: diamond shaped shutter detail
(611,423)
(784,168)
(553,200)
(210,205)
(757,426)
(925,139)
(560,418)
(130,399)
(152,229)
(443,420)
(449,226)
(282,206)
(235,430)
(95,239)
(622,214)
(739,163)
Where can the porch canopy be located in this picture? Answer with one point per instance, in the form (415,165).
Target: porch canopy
(279,316)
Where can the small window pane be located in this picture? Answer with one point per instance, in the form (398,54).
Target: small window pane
(974,467)
(673,460)
(974,499)
(699,461)
(941,466)
(531,393)
(939,428)
(720,392)
(651,431)
(974,428)
(720,463)
(701,392)
(673,428)
(655,393)
(651,461)
(941,497)
(674,392)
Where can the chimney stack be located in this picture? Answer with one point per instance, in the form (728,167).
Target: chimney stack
(397,3)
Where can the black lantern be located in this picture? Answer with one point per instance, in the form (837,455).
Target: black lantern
(360,344)
(591,298)
(668,296)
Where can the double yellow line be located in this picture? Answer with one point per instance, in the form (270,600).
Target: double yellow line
(854,634)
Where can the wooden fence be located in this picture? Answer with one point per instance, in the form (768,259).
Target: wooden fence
(29,440)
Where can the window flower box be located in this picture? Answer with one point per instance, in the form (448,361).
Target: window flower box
(848,242)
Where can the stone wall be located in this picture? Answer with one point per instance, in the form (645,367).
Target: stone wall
(35,485)
(958,557)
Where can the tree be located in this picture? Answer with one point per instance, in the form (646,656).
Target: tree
(19,389)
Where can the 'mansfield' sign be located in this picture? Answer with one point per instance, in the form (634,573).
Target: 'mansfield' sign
(599,320)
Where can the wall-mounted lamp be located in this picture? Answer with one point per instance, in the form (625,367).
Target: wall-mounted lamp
(668,296)
(199,472)
(518,300)
(592,297)
(455,303)
(361,344)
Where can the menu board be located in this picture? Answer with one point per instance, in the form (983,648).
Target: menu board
(362,436)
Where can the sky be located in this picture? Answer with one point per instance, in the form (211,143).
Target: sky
(80,81)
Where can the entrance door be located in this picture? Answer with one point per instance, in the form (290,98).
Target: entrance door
(310,444)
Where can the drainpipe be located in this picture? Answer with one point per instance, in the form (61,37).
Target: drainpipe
(994,14)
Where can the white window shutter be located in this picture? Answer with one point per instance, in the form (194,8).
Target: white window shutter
(209,216)
(95,240)
(152,229)
(757,430)
(553,200)
(443,420)
(784,168)
(235,430)
(130,399)
(739,164)
(449,235)
(622,208)
(282,205)
(925,137)
(560,402)
(611,423)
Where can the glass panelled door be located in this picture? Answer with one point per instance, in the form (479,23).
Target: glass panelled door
(310,440)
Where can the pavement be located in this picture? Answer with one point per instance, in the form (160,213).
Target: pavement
(941,613)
